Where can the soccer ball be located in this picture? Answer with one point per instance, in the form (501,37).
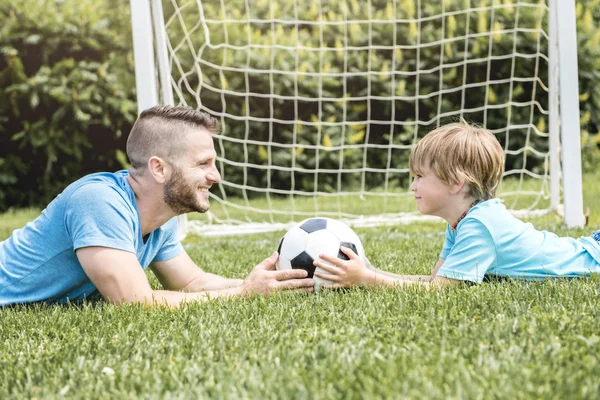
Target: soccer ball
(303,243)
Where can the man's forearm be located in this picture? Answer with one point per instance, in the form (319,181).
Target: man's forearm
(210,281)
(174,299)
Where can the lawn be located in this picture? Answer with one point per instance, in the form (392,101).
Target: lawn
(496,340)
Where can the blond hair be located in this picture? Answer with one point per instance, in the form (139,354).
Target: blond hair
(161,131)
(460,152)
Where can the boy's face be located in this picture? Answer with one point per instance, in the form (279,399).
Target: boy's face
(432,195)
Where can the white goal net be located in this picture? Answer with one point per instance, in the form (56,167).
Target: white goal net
(321,102)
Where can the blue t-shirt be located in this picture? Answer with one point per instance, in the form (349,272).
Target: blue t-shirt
(38,262)
(491,241)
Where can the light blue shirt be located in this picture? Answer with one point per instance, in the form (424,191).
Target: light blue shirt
(38,262)
(491,241)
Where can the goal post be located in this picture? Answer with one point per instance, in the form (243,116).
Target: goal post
(321,102)
(147,41)
(566,36)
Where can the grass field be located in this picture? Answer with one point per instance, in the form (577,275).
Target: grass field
(496,340)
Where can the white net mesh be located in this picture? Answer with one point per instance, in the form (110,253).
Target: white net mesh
(321,101)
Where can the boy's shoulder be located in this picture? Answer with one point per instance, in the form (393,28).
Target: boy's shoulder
(492,207)
(494,216)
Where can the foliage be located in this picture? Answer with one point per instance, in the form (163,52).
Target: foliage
(66,94)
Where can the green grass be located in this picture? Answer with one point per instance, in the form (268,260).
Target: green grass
(496,340)
(14,219)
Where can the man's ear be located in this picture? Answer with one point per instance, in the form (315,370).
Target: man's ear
(158,169)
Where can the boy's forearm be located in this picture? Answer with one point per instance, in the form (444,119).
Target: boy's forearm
(402,277)
(437,267)
(377,278)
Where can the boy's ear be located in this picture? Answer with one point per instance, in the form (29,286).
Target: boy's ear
(458,187)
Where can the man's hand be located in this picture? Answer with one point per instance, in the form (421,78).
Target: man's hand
(344,273)
(264,279)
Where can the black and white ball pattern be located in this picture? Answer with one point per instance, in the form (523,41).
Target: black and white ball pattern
(303,243)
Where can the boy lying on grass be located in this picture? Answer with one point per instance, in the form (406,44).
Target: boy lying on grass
(457,169)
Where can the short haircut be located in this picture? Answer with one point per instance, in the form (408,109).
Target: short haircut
(460,152)
(161,131)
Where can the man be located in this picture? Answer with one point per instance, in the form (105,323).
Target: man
(98,236)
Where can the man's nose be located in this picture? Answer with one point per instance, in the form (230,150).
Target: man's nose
(214,175)
(413,185)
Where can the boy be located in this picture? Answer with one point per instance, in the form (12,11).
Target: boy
(457,170)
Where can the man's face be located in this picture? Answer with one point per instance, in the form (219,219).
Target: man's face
(193,175)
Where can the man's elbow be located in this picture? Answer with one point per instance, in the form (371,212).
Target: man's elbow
(120,297)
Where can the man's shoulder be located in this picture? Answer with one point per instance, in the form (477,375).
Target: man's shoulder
(97,195)
(101,179)
(100,185)
(100,210)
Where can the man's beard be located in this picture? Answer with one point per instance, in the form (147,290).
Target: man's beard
(180,196)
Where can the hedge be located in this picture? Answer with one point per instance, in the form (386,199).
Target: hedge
(67,94)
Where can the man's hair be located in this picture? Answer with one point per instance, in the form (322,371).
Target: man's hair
(460,152)
(161,131)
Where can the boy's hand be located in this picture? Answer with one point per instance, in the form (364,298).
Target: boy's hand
(343,273)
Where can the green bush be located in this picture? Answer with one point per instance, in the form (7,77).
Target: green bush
(66,94)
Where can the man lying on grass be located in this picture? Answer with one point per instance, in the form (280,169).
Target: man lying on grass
(457,169)
(98,236)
